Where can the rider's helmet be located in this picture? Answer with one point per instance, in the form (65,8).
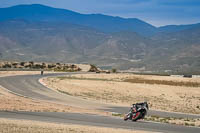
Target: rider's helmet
(133,105)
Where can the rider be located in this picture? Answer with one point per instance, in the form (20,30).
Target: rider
(135,108)
(137,105)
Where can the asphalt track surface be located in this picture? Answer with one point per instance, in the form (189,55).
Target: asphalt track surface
(29,86)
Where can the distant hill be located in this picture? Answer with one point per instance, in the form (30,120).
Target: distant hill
(176,28)
(123,45)
(41,33)
(39,41)
(101,22)
(179,50)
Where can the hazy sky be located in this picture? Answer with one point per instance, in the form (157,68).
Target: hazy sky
(156,12)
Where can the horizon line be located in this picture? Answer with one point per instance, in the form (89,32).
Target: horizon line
(101,14)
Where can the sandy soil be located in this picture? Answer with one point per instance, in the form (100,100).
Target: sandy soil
(24,126)
(11,102)
(84,67)
(161,97)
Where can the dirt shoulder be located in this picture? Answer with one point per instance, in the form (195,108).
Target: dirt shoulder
(111,88)
(25,126)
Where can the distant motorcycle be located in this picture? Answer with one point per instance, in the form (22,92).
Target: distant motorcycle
(137,111)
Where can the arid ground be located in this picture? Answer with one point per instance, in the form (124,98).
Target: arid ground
(11,102)
(176,94)
(163,93)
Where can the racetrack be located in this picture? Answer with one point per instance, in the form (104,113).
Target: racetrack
(95,120)
(29,86)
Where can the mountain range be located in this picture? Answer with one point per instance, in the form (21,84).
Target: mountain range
(42,33)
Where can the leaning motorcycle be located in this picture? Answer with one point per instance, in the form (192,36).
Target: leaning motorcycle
(137,112)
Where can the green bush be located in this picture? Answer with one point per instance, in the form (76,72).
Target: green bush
(114,70)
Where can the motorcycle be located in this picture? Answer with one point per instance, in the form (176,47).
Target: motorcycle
(138,111)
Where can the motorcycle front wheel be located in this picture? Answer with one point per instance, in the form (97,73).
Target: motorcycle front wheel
(126,117)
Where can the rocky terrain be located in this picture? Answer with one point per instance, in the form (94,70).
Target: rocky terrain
(39,66)
(8,65)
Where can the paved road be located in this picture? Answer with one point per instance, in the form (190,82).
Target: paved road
(155,113)
(95,120)
(29,86)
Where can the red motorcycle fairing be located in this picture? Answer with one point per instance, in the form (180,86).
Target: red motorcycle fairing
(136,115)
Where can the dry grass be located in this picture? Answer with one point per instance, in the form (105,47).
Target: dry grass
(141,80)
(110,88)
(24,126)
(121,77)
(163,82)
(177,121)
